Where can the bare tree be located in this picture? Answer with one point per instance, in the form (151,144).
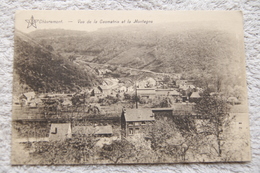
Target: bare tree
(118,151)
(79,149)
(214,118)
(166,140)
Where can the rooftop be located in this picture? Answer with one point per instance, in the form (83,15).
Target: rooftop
(96,130)
(59,131)
(152,89)
(162,109)
(29,94)
(139,115)
(104,87)
(145,91)
(174,92)
(239,109)
(195,95)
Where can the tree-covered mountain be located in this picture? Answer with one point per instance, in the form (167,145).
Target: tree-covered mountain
(40,68)
(210,56)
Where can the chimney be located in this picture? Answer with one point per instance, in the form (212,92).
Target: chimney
(123,110)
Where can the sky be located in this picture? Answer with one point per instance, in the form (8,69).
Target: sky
(93,20)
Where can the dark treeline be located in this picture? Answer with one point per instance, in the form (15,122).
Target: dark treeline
(43,70)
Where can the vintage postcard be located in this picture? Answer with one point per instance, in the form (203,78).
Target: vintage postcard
(129,87)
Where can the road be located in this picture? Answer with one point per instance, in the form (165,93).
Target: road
(91,64)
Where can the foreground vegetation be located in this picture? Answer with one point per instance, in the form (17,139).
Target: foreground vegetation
(204,139)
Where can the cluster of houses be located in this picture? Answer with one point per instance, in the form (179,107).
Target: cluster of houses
(33,100)
(150,88)
(26,99)
(179,96)
(104,90)
(182,91)
(133,121)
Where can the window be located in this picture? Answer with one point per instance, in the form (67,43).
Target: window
(130,124)
(143,122)
(240,122)
(131,132)
(55,132)
(136,130)
(137,123)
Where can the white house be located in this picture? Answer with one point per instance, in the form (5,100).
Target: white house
(60,131)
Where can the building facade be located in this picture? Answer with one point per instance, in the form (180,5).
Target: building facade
(134,121)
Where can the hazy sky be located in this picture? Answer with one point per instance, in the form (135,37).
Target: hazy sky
(93,20)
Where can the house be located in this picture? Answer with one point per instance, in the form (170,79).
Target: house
(163,92)
(146,92)
(176,112)
(186,93)
(192,86)
(27,96)
(177,76)
(133,121)
(104,131)
(96,92)
(174,93)
(200,90)
(164,113)
(181,82)
(130,89)
(146,83)
(105,90)
(34,103)
(141,84)
(60,131)
(190,82)
(38,101)
(194,97)
(16,101)
(122,89)
(181,109)
(240,121)
(102,72)
(233,100)
(67,102)
(150,82)
(184,87)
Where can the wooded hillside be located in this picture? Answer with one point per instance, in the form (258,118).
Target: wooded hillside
(209,56)
(42,69)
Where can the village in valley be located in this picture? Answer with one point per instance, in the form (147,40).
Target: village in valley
(118,110)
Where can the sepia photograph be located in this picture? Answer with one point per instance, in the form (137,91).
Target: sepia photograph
(129,87)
